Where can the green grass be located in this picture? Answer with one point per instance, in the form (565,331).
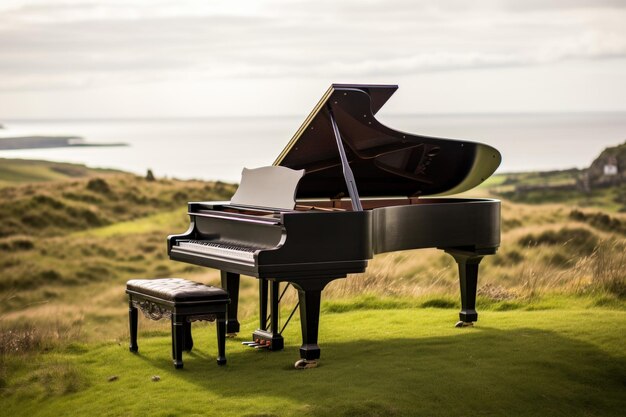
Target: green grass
(608,198)
(170,220)
(547,187)
(400,362)
(494,181)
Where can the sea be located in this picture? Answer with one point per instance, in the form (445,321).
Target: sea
(215,148)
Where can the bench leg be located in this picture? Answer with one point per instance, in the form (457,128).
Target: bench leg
(132,320)
(187,339)
(177,339)
(221,341)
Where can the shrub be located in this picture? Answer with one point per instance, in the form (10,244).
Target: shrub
(42,199)
(581,240)
(37,220)
(83,197)
(98,185)
(599,220)
(17,244)
(509,258)
(438,303)
(509,224)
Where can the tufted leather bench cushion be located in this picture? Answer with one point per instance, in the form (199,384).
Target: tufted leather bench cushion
(176,289)
(181,301)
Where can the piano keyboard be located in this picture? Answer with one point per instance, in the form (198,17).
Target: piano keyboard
(219,249)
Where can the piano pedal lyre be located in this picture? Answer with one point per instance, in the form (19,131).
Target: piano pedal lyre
(270,337)
(305,364)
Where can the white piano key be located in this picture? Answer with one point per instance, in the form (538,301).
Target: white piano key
(219,249)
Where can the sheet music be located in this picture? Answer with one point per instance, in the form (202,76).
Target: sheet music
(271,186)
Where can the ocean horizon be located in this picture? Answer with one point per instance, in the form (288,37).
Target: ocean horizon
(218,148)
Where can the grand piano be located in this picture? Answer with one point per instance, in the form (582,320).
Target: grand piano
(346,187)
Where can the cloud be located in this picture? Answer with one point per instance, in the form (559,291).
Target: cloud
(51,45)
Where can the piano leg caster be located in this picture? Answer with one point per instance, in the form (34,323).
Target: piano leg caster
(464,324)
(305,364)
(231,335)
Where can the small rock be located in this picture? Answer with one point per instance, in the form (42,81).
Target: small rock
(156,378)
(113,378)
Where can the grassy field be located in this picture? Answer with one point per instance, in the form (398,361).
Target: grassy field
(550,340)
(14,171)
(398,362)
(555,187)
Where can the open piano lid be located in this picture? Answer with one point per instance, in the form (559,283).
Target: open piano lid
(385,162)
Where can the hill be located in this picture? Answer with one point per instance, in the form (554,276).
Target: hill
(602,185)
(102,228)
(94,226)
(19,171)
(609,168)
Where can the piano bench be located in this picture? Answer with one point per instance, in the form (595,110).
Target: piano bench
(182,301)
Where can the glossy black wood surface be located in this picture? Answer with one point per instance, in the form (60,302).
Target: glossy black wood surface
(314,247)
(328,240)
(384,161)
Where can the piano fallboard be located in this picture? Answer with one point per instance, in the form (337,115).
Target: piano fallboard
(316,241)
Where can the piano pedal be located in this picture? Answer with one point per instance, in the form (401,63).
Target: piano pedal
(262,346)
(305,364)
(249,343)
(464,324)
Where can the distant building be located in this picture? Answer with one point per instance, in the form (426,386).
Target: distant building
(610,167)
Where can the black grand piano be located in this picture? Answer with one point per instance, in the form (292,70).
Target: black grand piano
(345,188)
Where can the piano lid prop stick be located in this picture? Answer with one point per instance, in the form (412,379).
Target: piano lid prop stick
(347,172)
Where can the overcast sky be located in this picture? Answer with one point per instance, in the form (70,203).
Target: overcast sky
(171,58)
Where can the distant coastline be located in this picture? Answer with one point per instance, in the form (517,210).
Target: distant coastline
(39,142)
(217,148)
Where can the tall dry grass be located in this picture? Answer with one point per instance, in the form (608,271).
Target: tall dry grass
(25,337)
(71,286)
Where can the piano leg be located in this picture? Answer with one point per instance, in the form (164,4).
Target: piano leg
(277,342)
(230,283)
(309,295)
(468,278)
(262,304)
(269,338)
